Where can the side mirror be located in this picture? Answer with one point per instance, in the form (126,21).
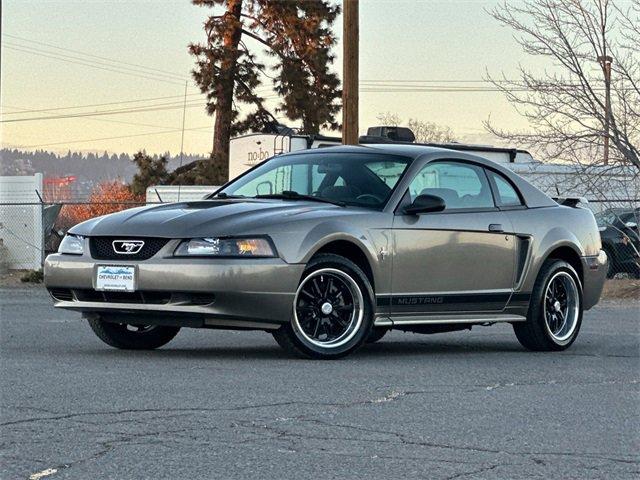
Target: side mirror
(425,204)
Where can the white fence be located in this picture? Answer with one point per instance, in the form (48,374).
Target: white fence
(21,230)
(174,193)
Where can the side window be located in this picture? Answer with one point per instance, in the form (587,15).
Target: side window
(460,185)
(507,195)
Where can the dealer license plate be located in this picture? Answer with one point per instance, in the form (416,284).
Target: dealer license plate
(116,278)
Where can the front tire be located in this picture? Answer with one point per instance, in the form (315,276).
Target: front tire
(555,311)
(132,337)
(611,264)
(376,334)
(332,310)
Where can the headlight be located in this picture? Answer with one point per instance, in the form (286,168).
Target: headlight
(72,245)
(226,247)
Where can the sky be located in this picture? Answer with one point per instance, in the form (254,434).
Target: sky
(429,41)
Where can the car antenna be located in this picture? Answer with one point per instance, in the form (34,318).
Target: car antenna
(158,194)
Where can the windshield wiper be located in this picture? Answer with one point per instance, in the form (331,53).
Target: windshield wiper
(291,195)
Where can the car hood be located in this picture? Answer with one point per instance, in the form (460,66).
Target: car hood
(203,218)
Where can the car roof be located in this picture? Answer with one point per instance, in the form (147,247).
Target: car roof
(407,150)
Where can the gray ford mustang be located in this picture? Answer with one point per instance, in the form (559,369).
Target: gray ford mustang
(331,248)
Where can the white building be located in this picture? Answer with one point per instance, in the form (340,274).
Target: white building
(21,221)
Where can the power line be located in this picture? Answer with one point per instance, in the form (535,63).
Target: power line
(149,108)
(140,100)
(153,108)
(175,75)
(441,90)
(93,66)
(137,124)
(91,62)
(61,56)
(435,81)
(55,109)
(111,138)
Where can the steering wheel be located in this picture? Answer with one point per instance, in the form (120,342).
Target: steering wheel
(368,197)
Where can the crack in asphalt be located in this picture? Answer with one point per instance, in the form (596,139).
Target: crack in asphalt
(390,397)
(473,472)
(403,439)
(142,410)
(292,439)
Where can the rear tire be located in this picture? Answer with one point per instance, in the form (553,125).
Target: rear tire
(332,310)
(131,337)
(555,311)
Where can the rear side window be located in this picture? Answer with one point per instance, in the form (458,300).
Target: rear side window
(506,194)
(460,185)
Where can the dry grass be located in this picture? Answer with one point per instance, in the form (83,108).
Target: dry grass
(623,288)
(12,278)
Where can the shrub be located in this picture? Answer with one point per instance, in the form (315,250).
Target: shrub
(106,197)
(32,276)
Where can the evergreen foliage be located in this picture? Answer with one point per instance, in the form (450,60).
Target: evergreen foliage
(297,36)
(151,171)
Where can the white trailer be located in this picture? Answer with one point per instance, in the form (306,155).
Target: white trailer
(247,151)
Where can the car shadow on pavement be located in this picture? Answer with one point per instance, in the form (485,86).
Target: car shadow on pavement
(264,352)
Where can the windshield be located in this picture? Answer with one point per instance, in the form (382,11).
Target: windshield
(359,179)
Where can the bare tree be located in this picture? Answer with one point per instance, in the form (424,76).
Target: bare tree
(566,106)
(425,132)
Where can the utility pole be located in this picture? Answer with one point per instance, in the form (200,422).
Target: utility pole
(605,62)
(184,116)
(350,42)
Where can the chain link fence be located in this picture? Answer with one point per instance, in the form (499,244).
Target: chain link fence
(31,230)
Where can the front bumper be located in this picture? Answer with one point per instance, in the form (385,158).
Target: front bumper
(255,293)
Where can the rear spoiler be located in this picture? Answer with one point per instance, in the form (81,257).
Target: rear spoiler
(571,201)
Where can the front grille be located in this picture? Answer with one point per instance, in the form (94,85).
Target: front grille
(102,248)
(61,294)
(154,298)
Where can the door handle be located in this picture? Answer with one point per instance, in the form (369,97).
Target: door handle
(496,227)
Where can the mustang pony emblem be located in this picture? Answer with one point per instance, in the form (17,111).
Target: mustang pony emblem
(127,247)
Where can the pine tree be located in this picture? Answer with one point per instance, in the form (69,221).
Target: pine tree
(297,35)
(151,171)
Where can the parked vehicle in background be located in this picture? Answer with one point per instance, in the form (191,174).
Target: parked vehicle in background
(621,240)
(328,249)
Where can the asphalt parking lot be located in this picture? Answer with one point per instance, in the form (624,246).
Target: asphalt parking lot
(215,404)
